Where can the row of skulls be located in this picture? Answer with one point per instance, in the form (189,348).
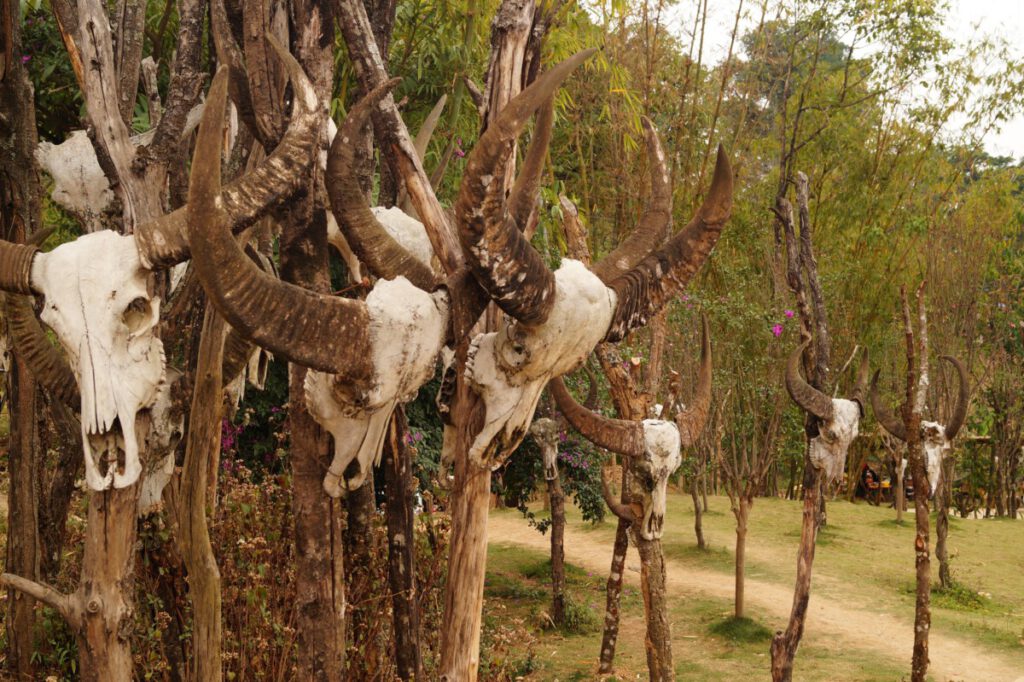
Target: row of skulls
(365,356)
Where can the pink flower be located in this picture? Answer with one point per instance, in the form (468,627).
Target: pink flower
(777,330)
(789,314)
(25,58)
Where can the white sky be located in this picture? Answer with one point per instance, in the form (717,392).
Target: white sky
(966,18)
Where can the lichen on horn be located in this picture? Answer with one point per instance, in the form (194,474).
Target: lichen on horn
(646,288)
(164,242)
(503,261)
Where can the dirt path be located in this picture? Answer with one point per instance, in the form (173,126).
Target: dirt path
(951,659)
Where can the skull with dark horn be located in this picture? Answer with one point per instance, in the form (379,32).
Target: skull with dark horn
(654,445)
(936,439)
(838,418)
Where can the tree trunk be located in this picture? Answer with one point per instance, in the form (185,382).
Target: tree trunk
(19,216)
(104,652)
(901,492)
(401,489)
(464,591)
(613,595)
(785,644)
(319,558)
(358,538)
(557,498)
(56,495)
(922,561)
(742,512)
(698,514)
(23,551)
(658,641)
(942,525)
(202,451)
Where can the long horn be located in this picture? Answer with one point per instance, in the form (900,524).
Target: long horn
(420,143)
(655,223)
(860,389)
(691,422)
(523,196)
(368,239)
(882,414)
(321,332)
(803,394)
(163,242)
(621,510)
(40,356)
(960,413)
(513,273)
(237,348)
(618,435)
(645,289)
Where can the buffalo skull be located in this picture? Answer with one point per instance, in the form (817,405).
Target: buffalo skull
(838,419)
(100,302)
(654,446)
(936,439)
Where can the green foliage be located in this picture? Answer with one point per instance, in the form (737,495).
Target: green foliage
(256,438)
(959,597)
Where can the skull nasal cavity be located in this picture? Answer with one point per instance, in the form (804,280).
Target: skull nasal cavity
(137,314)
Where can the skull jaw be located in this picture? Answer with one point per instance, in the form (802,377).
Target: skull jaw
(111,447)
(653,522)
(358,444)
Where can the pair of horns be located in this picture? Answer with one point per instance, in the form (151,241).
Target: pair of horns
(514,274)
(896,426)
(626,437)
(811,399)
(322,332)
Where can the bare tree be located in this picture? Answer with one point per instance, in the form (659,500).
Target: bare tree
(927,445)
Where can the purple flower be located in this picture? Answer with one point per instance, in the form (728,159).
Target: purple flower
(458,148)
(788,314)
(777,330)
(25,58)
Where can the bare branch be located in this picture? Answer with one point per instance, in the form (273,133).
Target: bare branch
(53,598)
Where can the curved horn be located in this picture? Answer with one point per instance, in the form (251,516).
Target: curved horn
(645,289)
(40,356)
(618,435)
(321,332)
(503,261)
(523,196)
(654,225)
(163,242)
(860,389)
(882,414)
(691,422)
(803,394)
(621,510)
(956,421)
(16,267)
(368,239)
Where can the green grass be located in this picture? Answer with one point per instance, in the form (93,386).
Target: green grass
(864,557)
(741,630)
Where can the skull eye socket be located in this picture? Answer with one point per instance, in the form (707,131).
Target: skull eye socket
(137,314)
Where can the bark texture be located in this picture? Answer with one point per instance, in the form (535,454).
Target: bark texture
(401,488)
(19,216)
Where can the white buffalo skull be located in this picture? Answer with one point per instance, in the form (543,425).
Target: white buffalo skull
(545,432)
(662,456)
(936,447)
(100,304)
(829,447)
(510,367)
(407,330)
